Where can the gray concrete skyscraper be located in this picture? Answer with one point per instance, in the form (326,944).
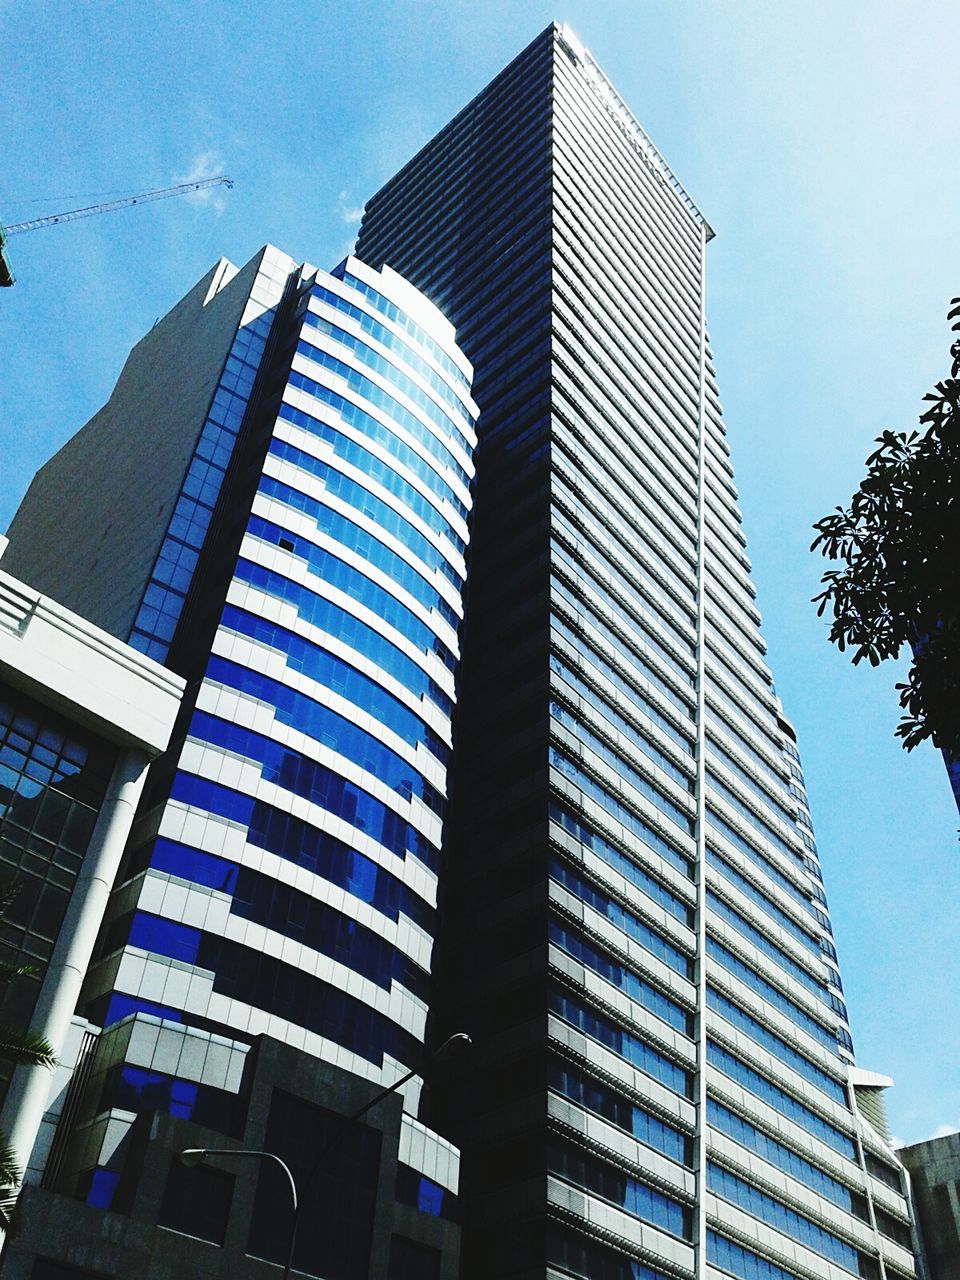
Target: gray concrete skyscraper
(633,923)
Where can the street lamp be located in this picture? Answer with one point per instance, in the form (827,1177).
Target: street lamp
(193,1156)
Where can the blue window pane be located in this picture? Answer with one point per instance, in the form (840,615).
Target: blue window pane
(369,465)
(317,925)
(780,1100)
(763,902)
(165,937)
(339,485)
(192,864)
(321,723)
(626,1115)
(361,542)
(623,919)
(612,856)
(389,339)
(620,976)
(760,940)
(382,435)
(373,392)
(777,1154)
(403,321)
(320,665)
(329,617)
(622,1042)
(618,810)
(792,890)
(612,1184)
(777,1215)
(740,1262)
(624,770)
(773,1044)
(100,1187)
(330,791)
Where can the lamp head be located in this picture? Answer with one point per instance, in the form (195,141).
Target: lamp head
(192,1157)
(453,1046)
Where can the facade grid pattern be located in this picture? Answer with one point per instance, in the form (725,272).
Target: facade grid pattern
(629,842)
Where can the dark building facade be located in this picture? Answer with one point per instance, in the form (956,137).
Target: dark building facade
(634,927)
(368,1212)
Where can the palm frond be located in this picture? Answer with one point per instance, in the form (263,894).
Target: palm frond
(10,972)
(9,1169)
(25,1047)
(8,1210)
(9,888)
(9,1185)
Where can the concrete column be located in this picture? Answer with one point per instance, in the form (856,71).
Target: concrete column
(30,1089)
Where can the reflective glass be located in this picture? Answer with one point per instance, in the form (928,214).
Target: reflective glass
(403,321)
(623,919)
(781,1101)
(632,821)
(343,625)
(620,976)
(375,430)
(777,1154)
(389,339)
(613,1184)
(773,1044)
(612,856)
(621,1042)
(770,994)
(372,468)
(767,1209)
(362,543)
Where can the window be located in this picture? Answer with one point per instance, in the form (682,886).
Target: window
(197,1201)
(338,1197)
(411,1261)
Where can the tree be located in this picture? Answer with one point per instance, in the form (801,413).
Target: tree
(898,544)
(22,1048)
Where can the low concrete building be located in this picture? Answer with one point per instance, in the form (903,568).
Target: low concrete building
(378,1196)
(934,1169)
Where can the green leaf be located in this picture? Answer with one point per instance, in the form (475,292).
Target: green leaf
(25,1047)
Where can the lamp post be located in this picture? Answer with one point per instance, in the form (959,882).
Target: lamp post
(194,1156)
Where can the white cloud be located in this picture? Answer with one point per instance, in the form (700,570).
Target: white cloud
(943,1131)
(206,164)
(349,213)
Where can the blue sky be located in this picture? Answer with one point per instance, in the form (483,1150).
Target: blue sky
(820,140)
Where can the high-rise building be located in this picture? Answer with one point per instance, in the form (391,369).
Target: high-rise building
(629,914)
(274,503)
(634,923)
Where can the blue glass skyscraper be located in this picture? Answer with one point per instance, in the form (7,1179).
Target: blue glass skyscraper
(294,862)
(282,876)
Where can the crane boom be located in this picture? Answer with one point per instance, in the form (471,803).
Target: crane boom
(163,193)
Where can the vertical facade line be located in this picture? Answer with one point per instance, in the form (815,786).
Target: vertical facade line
(700,1228)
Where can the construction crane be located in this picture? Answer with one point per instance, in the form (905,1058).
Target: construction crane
(52,219)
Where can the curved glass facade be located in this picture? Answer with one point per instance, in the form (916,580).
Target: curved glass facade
(290,885)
